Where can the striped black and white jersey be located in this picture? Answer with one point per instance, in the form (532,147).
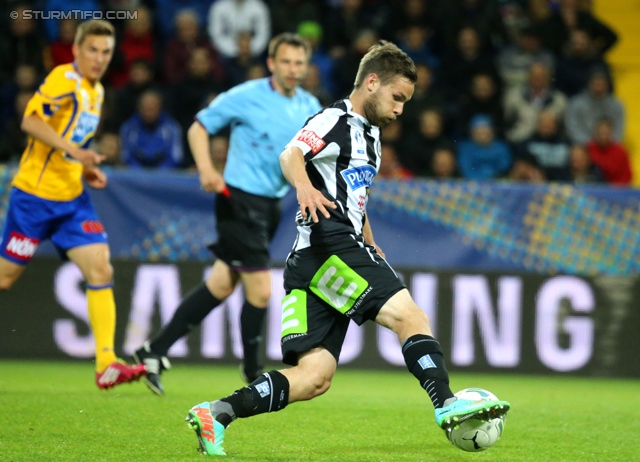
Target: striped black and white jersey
(342,154)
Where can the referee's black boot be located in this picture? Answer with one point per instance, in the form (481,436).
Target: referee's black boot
(155,364)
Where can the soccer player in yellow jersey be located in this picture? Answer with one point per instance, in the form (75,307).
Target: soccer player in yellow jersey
(48,200)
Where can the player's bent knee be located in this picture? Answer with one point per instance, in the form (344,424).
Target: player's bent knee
(319,381)
(5,284)
(100,274)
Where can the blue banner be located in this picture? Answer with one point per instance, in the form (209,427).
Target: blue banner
(457,225)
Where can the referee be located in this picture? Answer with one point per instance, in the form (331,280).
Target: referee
(263,115)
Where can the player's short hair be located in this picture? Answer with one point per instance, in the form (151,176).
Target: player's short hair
(93,27)
(288,38)
(387,61)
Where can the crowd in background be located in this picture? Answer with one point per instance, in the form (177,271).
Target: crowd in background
(507,89)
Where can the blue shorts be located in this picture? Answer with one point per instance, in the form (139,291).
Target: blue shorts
(30,220)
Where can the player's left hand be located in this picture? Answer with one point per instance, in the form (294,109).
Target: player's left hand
(95,177)
(379,250)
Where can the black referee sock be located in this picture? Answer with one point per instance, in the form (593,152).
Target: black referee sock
(195,306)
(251,326)
(424,358)
(268,393)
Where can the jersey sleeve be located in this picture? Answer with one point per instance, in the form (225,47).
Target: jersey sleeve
(312,138)
(57,91)
(221,112)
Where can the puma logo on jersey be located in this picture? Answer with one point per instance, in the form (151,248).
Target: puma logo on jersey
(21,247)
(311,139)
(358,177)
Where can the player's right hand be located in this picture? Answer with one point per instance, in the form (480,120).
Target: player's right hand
(212,181)
(88,157)
(311,201)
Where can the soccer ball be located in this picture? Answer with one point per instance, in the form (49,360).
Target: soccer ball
(475,435)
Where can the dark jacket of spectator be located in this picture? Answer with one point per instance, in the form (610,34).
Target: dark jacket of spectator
(151,146)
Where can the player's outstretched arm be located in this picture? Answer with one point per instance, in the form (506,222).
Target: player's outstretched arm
(34,126)
(210,179)
(310,199)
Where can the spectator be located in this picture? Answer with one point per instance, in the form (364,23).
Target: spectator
(390,168)
(577,63)
(137,43)
(557,28)
(415,43)
(484,98)
(60,51)
(20,44)
(151,138)
(483,15)
(581,168)
(178,50)
(26,80)
(523,106)
(230,18)
(108,144)
(219,149)
(610,156)
(343,26)
(419,148)
(514,61)
(347,65)
(13,140)
(423,13)
(483,157)
(312,82)
(193,92)
(288,15)
(426,95)
(467,60)
(444,165)
(167,11)
(526,169)
(256,71)
(548,147)
(52,24)
(587,108)
(237,68)
(392,134)
(312,32)
(122,105)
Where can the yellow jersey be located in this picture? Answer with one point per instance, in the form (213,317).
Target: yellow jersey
(71,105)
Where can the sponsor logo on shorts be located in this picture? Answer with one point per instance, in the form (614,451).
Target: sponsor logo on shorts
(92,227)
(294,314)
(311,139)
(338,285)
(358,177)
(21,247)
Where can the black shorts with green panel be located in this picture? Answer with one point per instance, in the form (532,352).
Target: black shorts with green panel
(327,288)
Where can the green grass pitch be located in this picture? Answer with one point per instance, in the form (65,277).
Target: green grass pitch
(52,411)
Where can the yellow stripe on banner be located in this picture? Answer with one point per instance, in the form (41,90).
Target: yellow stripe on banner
(623,16)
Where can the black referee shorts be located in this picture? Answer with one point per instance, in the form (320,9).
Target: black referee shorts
(246,224)
(326,290)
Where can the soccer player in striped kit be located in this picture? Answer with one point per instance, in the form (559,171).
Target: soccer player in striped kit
(336,273)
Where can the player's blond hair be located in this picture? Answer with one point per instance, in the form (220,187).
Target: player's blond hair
(93,27)
(387,61)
